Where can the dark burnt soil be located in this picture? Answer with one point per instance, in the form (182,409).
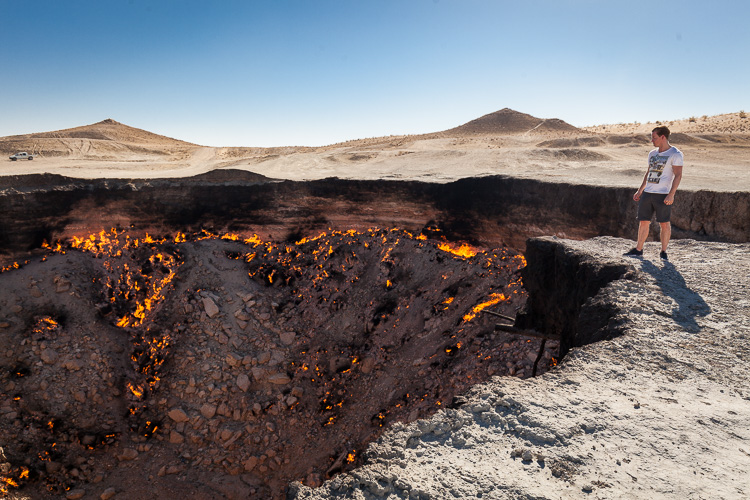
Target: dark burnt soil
(223,367)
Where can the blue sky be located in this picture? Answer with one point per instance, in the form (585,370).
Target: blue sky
(307,72)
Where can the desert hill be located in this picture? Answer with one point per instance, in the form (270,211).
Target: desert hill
(508,121)
(505,122)
(107,130)
(105,139)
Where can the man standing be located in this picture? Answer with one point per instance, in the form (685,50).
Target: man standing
(656,194)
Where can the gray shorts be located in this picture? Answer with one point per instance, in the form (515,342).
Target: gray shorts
(653,202)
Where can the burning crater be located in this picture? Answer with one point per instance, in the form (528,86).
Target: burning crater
(201,355)
(215,363)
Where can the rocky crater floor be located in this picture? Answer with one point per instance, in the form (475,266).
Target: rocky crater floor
(215,366)
(360,365)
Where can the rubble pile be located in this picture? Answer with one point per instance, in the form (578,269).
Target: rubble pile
(222,366)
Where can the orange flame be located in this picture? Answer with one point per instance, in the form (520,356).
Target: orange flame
(51,323)
(464,250)
(494,299)
(15,265)
(137,391)
(306,240)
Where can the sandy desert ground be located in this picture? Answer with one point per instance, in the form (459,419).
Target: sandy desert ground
(717,153)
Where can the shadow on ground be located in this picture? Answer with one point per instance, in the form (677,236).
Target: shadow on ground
(690,305)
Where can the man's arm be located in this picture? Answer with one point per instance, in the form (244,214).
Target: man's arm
(677,170)
(637,195)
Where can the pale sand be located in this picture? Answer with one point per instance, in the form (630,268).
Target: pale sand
(716,149)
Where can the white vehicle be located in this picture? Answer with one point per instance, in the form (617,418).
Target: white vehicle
(22,156)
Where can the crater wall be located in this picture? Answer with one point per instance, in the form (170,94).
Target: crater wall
(493,210)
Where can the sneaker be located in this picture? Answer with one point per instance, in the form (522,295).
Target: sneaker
(633,252)
(663,255)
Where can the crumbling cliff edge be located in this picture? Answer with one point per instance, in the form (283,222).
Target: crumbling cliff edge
(656,409)
(488,210)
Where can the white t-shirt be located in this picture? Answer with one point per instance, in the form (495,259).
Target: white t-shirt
(660,174)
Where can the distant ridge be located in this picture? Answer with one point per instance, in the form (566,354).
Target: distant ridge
(508,121)
(727,123)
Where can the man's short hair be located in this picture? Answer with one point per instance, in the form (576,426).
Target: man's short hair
(662,131)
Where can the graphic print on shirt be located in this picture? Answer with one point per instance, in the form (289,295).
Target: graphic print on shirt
(656,168)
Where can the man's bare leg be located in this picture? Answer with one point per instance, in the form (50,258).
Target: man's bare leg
(665,234)
(643,228)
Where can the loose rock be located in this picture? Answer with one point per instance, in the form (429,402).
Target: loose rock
(208,410)
(128,454)
(279,378)
(108,493)
(243,382)
(210,307)
(287,338)
(75,494)
(178,415)
(49,356)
